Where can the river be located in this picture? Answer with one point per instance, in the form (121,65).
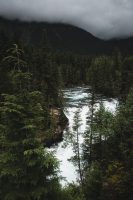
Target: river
(75,98)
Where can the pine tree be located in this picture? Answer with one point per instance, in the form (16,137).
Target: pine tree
(75,141)
(28,171)
(88,135)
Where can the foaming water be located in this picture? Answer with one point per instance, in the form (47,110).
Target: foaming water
(76,99)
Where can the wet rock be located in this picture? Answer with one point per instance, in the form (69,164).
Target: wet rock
(57,125)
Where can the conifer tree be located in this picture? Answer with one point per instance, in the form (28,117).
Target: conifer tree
(88,135)
(28,171)
(75,141)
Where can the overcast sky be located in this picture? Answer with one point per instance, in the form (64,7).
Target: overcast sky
(103,18)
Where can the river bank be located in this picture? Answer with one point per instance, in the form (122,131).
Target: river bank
(57,126)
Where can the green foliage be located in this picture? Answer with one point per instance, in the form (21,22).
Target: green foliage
(72,192)
(110,174)
(26,168)
(103,122)
(93,182)
(15,57)
(30,85)
(28,171)
(74,140)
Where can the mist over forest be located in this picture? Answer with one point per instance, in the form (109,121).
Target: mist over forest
(105,19)
(66,100)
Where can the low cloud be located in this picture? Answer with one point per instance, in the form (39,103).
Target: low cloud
(103,18)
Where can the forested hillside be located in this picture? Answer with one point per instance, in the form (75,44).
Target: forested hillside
(60,38)
(36,62)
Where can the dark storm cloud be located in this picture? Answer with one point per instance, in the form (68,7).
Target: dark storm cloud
(103,18)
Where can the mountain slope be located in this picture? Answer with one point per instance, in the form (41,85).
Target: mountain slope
(60,37)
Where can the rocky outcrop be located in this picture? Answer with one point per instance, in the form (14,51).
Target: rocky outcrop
(58,123)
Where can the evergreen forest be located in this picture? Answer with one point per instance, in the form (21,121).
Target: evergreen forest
(32,78)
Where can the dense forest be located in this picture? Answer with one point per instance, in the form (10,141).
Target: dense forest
(32,76)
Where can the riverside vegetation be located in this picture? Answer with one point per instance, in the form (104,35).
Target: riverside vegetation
(31,81)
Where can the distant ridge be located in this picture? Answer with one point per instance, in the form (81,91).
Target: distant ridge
(60,37)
